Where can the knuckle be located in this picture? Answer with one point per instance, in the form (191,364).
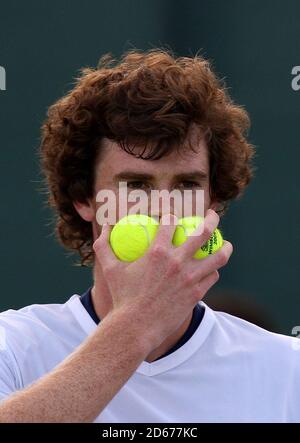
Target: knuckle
(174,265)
(158,251)
(230,248)
(197,295)
(188,279)
(216,276)
(108,270)
(97,245)
(221,257)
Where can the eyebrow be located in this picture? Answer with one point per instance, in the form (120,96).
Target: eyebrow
(190,175)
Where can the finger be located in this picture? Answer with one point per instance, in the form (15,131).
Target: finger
(165,231)
(102,247)
(200,236)
(199,269)
(204,286)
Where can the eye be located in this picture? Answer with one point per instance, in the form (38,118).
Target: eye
(137,184)
(188,184)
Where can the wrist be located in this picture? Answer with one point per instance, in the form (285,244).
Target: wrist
(128,323)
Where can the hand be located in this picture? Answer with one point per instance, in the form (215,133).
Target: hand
(161,288)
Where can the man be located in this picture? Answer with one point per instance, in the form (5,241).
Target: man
(140,345)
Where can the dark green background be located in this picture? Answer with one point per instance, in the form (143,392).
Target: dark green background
(254,44)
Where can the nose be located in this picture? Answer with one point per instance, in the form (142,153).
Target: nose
(157,211)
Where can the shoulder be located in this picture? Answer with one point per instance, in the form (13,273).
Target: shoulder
(33,340)
(34,322)
(255,342)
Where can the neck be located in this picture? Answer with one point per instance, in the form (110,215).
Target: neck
(102,303)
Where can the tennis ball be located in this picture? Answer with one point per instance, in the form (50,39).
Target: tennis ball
(132,235)
(186,226)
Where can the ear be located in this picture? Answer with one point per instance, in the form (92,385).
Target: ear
(214,205)
(85,210)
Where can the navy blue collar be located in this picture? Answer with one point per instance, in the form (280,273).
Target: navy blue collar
(86,300)
(198,312)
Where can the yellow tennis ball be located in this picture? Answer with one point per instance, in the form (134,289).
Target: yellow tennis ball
(186,226)
(132,235)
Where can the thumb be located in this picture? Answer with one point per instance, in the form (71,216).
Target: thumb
(103,249)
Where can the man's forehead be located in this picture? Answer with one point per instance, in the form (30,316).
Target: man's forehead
(177,161)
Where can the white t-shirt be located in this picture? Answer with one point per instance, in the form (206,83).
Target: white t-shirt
(228,371)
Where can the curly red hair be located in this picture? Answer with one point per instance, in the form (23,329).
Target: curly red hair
(145,97)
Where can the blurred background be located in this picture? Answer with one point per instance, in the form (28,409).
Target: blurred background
(253,44)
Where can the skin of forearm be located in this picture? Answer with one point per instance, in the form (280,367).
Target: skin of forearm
(79,388)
